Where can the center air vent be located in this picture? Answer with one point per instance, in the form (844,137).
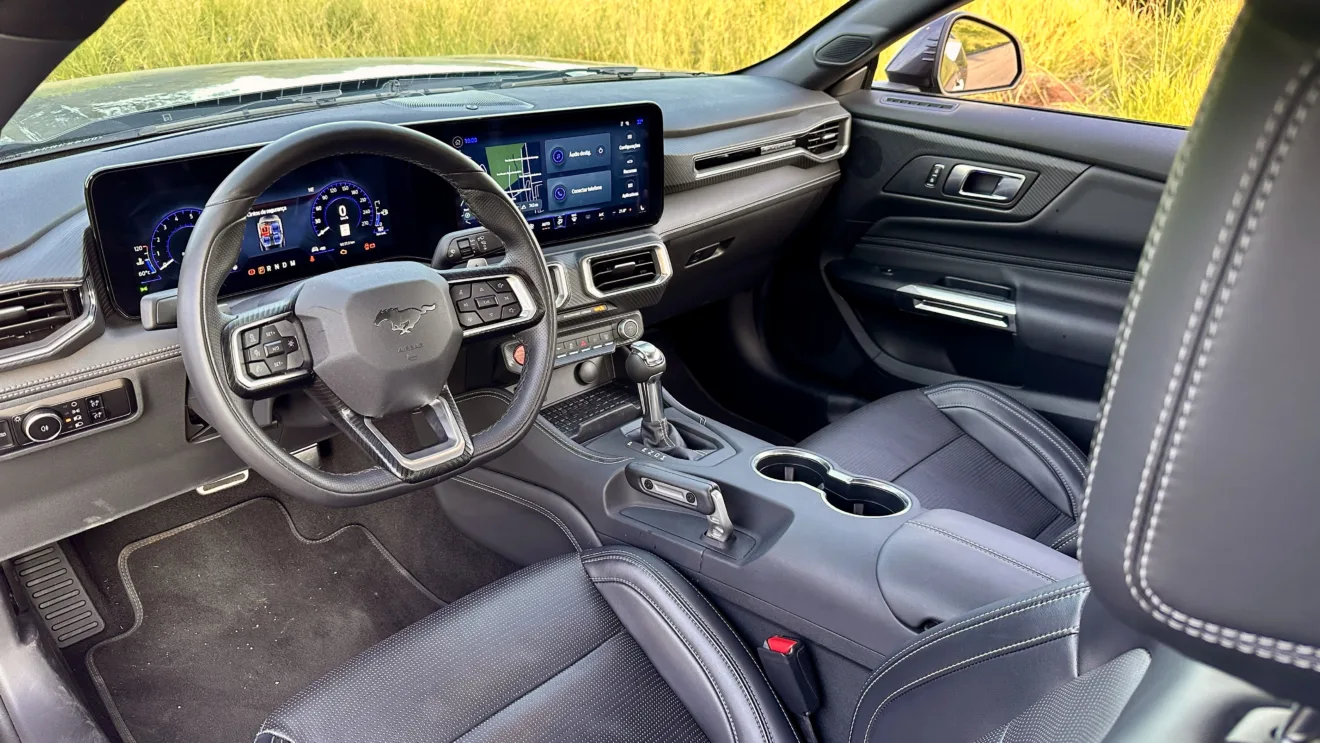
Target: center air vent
(29,315)
(822,140)
(625,270)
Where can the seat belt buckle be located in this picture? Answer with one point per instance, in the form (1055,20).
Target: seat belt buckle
(791,673)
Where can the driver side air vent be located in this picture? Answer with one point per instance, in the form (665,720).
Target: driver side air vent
(822,140)
(625,270)
(30,315)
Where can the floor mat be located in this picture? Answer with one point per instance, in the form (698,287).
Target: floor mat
(236,612)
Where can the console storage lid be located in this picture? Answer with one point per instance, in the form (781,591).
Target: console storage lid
(944,563)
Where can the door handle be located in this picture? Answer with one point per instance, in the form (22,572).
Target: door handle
(1000,314)
(986,184)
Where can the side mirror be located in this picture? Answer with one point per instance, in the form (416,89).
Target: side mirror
(958,54)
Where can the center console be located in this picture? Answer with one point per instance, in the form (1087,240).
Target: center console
(854,564)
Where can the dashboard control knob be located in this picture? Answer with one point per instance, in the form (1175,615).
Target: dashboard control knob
(629,330)
(42,424)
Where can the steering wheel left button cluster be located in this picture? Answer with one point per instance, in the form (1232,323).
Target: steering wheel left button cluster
(269,352)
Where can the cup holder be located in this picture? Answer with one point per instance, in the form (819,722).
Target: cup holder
(855,496)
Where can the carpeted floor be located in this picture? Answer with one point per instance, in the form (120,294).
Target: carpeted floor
(235,612)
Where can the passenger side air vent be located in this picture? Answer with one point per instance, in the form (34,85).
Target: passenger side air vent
(706,162)
(822,140)
(29,315)
(625,270)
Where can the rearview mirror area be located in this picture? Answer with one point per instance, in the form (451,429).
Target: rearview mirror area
(958,54)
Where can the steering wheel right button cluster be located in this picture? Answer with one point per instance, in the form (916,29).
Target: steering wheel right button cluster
(485,302)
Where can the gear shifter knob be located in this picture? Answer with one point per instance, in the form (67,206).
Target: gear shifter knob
(645,362)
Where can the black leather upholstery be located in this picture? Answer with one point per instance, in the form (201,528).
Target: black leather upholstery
(605,645)
(1200,523)
(967,447)
(942,564)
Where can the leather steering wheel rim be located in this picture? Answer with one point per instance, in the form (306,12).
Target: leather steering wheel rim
(205,330)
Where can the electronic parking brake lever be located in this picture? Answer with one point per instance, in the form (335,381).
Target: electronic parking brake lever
(692,493)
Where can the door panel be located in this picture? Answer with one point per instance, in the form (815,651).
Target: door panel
(1024,290)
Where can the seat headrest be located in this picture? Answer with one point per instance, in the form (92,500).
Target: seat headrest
(1201,520)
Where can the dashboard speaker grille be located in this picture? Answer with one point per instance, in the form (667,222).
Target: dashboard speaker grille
(623,271)
(29,315)
(821,140)
(843,49)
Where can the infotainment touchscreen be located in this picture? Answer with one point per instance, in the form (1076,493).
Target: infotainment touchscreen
(571,173)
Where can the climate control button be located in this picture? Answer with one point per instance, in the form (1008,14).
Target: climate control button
(42,424)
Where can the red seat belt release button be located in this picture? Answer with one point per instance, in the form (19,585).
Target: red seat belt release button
(790,671)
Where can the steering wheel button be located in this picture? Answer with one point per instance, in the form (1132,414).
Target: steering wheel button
(510,311)
(482,289)
(274,348)
(258,369)
(505,298)
(484,302)
(500,285)
(460,292)
(467,305)
(270,333)
(278,364)
(290,344)
(489,314)
(256,353)
(251,337)
(469,319)
(295,360)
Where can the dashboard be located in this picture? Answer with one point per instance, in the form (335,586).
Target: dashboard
(572,174)
(730,195)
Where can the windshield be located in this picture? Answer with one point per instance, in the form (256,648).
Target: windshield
(155,55)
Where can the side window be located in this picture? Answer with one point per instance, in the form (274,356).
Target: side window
(1145,60)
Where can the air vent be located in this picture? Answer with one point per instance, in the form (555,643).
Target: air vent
(706,162)
(29,315)
(630,269)
(822,140)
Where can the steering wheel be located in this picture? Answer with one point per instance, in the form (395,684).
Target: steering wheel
(364,342)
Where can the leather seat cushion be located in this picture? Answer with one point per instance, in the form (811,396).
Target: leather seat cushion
(969,448)
(588,646)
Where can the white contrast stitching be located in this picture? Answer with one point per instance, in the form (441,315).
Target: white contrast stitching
(968,662)
(710,634)
(1066,447)
(105,367)
(1265,647)
(1065,538)
(1063,480)
(959,627)
(1148,252)
(974,545)
(728,717)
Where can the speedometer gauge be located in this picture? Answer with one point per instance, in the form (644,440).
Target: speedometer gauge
(170,238)
(343,211)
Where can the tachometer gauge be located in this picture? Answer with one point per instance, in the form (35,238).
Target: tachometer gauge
(170,238)
(342,211)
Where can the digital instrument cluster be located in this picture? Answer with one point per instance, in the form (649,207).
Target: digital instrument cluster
(573,174)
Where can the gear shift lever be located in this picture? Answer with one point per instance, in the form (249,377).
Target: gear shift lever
(644,366)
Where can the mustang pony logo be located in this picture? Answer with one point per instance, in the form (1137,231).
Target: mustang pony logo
(402,321)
